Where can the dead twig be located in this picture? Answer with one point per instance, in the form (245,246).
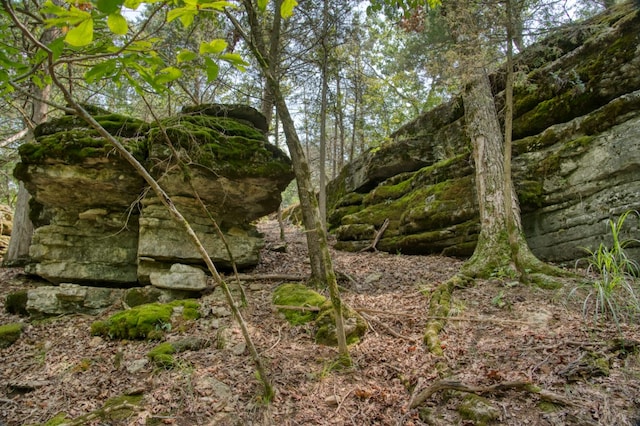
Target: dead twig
(298,308)
(476,319)
(387,328)
(374,243)
(500,387)
(271,277)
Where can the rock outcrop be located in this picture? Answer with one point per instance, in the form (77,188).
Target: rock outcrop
(97,223)
(576,155)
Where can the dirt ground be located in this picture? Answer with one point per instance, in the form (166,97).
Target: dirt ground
(500,333)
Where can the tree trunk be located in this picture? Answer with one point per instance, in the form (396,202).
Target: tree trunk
(319,255)
(22,232)
(324,71)
(18,250)
(495,251)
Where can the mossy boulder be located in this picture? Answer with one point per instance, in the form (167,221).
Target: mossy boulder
(10,333)
(16,303)
(297,295)
(214,161)
(162,354)
(149,321)
(479,410)
(325,325)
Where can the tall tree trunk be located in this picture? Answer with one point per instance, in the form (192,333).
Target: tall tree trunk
(22,232)
(319,254)
(501,246)
(324,71)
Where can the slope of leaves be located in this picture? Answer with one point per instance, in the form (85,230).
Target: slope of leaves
(500,333)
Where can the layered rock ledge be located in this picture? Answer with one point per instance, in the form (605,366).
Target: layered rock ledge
(96,221)
(576,155)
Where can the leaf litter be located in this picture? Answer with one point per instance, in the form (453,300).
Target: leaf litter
(498,333)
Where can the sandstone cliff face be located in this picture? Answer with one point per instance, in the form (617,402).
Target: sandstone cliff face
(576,155)
(97,223)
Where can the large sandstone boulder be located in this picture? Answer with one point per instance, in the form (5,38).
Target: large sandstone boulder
(576,155)
(95,220)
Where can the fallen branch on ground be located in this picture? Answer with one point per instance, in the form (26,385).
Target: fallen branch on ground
(372,246)
(389,329)
(271,277)
(479,390)
(298,308)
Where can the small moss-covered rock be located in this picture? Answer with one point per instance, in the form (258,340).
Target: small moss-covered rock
(16,303)
(354,325)
(147,321)
(162,355)
(292,294)
(479,410)
(9,334)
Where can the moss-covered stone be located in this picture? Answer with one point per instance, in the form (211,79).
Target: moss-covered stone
(162,355)
(293,294)
(10,333)
(325,325)
(16,303)
(479,410)
(147,321)
(221,144)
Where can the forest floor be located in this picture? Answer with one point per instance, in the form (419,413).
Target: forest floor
(500,333)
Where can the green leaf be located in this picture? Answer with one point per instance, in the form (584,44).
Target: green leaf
(262,5)
(286,10)
(235,60)
(81,35)
(109,6)
(101,70)
(212,69)
(216,5)
(117,24)
(167,75)
(57,46)
(132,4)
(186,56)
(214,46)
(185,14)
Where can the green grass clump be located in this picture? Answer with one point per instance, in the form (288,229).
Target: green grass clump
(149,321)
(614,293)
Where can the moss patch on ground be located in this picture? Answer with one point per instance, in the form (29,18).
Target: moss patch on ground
(115,409)
(147,321)
(297,295)
(10,333)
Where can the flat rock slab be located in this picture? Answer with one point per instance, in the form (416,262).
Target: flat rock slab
(180,277)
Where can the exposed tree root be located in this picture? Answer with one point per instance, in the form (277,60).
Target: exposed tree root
(497,388)
(439,306)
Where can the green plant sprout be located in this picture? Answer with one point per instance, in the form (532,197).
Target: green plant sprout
(614,293)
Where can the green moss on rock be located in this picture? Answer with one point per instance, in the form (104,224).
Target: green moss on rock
(162,355)
(222,144)
(16,303)
(9,334)
(479,410)
(354,325)
(293,294)
(147,321)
